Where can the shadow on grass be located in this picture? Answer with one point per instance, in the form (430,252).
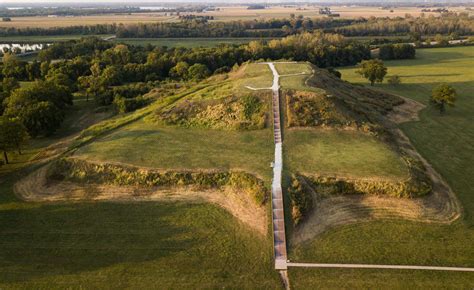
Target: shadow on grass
(62,239)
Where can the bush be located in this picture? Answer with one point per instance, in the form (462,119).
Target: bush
(301,199)
(394,80)
(86,172)
(397,51)
(418,184)
(230,113)
(124,105)
(334,72)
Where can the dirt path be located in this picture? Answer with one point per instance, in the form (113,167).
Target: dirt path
(35,187)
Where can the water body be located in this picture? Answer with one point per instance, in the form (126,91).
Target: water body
(152,8)
(24,47)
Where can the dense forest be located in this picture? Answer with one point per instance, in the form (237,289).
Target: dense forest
(447,23)
(121,74)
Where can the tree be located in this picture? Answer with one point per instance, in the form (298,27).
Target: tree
(374,70)
(394,80)
(12,67)
(9,85)
(441,40)
(13,135)
(93,85)
(443,95)
(180,70)
(198,71)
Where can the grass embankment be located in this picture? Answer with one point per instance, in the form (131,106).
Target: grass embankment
(446,141)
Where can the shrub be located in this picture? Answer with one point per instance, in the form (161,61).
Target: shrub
(416,185)
(394,80)
(86,172)
(124,105)
(234,113)
(334,72)
(301,199)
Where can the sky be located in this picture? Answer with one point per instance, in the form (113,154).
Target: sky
(157,3)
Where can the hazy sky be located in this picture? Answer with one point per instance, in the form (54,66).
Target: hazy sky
(157,3)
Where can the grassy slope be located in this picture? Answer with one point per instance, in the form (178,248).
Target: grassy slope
(35,146)
(447,143)
(253,75)
(350,154)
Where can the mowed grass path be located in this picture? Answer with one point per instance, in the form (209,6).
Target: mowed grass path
(296,82)
(146,245)
(150,145)
(341,153)
(446,141)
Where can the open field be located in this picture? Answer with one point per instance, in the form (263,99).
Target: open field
(241,12)
(46,22)
(446,141)
(136,244)
(227,13)
(341,153)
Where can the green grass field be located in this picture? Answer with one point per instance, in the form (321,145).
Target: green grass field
(118,245)
(150,145)
(446,141)
(341,153)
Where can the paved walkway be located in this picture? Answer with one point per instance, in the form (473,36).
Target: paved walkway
(278,217)
(368,266)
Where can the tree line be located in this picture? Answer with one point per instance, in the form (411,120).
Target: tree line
(193,27)
(447,23)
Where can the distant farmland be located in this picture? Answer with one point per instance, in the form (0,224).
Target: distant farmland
(222,14)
